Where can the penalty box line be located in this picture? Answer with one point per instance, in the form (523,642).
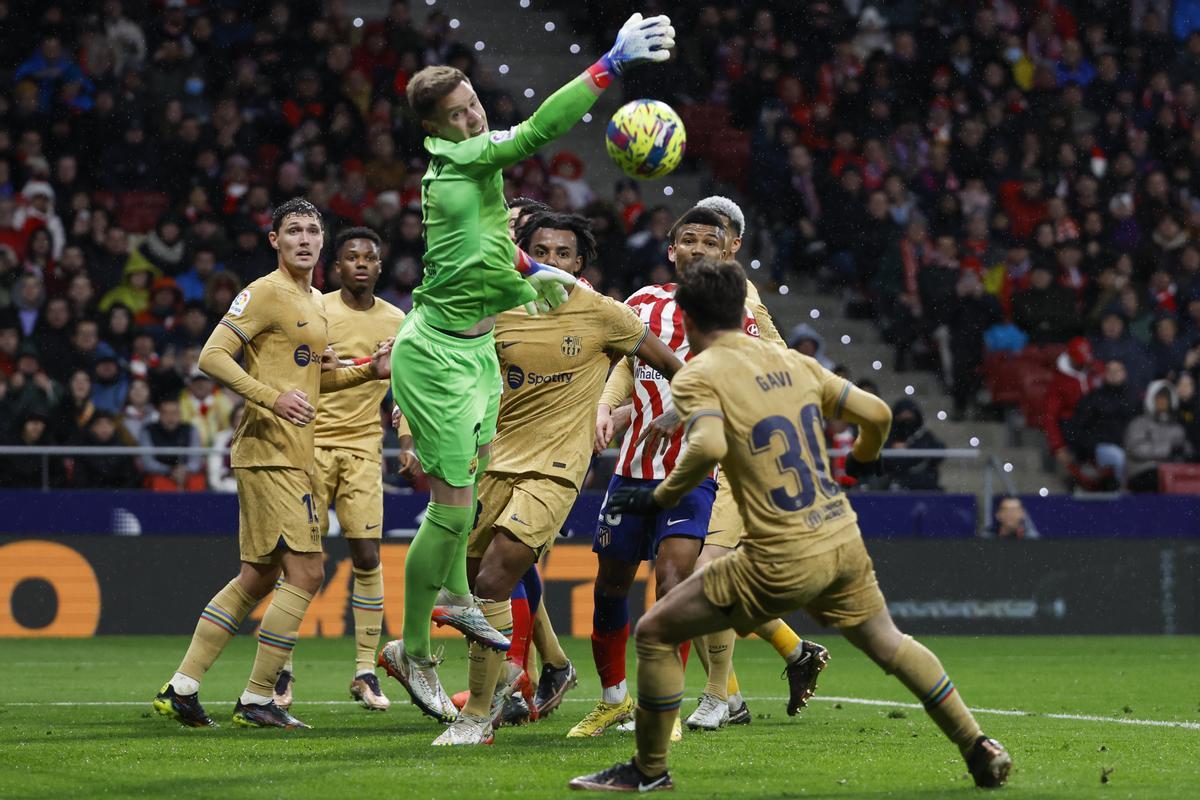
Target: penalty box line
(858,701)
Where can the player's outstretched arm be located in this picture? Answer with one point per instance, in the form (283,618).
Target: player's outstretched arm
(617,390)
(640,41)
(705,447)
(362,370)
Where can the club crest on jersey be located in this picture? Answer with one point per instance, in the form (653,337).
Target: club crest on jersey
(814,519)
(303,356)
(572,345)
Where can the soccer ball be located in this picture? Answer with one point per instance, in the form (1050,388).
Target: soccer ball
(646,139)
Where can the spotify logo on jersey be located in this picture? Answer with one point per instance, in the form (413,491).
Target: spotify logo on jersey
(515,377)
(303,355)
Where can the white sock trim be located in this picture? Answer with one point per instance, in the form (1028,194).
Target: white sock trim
(184,685)
(249,698)
(615,694)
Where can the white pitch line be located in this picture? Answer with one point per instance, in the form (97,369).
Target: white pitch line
(858,701)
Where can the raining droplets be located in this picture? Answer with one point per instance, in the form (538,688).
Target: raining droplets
(941,415)
(358,22)
(502,69)
(1043,492)
(755,264)
(668,190)
(909,390)
(815,313)
(480,45)
(846,338)
(524,3)
(1008,467)
(575,48)
(784,290)
(974,441)
(528,92)
(876,365)
(587,117)
(430,2)
(454,23)
(549,27)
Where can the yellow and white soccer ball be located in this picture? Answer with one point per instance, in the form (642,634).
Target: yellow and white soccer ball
(646,139)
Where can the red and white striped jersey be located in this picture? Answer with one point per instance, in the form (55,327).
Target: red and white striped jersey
(656,307)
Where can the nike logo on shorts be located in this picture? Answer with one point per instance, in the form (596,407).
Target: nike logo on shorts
(301,324)
(372,527)
(515,518)
(671,522)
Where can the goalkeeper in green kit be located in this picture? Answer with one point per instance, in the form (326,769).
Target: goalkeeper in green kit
(446,378)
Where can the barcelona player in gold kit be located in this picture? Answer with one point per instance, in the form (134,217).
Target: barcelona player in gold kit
(760,412)
(553,366)
(278,325)
(348,439)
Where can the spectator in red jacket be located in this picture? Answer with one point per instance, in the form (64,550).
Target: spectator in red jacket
(1024,203)
(1076,374)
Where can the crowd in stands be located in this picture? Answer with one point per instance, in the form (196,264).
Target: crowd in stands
(977,177)
(993,176)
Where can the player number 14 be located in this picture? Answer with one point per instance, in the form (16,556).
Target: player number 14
(795,460)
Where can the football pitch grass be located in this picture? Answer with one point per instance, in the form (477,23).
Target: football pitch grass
(1083,717)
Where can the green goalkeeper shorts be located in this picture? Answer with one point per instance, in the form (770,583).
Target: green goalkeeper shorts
(449,390)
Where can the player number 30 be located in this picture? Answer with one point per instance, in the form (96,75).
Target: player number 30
(794,460)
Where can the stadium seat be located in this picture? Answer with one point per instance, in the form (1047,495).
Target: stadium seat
(1035,382)
(138,211)
(1179,478)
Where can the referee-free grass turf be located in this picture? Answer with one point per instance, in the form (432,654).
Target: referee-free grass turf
(76,721)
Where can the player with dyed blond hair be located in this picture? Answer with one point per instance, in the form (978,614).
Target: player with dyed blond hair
(759,411)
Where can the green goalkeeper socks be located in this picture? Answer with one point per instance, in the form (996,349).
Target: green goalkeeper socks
(427,566)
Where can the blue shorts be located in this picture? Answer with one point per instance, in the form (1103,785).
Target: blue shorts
(632,538)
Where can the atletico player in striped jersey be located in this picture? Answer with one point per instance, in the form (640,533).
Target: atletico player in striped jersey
(672,540)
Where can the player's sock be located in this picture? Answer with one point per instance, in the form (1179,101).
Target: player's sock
(546,640)
(732,687)
(276,637)
(660,693)
(522,627)
(366,601)
(610,632)
(485,663)
(219,621)
(426,566)
(922,673)
(532,581)
(720,659)
(781,636)
(455,580)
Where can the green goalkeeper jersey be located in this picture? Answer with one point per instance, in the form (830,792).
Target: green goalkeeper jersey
(469,272)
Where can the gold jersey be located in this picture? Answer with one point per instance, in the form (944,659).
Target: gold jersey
(282,330)
(349,419)
(766,326)
(553,367)
(774,403)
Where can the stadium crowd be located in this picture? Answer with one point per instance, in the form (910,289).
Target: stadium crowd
(977,177)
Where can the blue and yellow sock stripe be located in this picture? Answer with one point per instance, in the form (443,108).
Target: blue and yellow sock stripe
(941,690)
(276,640)
(364,603)
(221,618)
(660,704)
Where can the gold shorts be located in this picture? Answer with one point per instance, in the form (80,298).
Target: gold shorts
(275,508)
(725,526)
(531,509)
(354,485)
(836,587)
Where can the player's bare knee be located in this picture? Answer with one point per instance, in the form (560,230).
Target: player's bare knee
(257,580)
(649,629)
(364,553)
